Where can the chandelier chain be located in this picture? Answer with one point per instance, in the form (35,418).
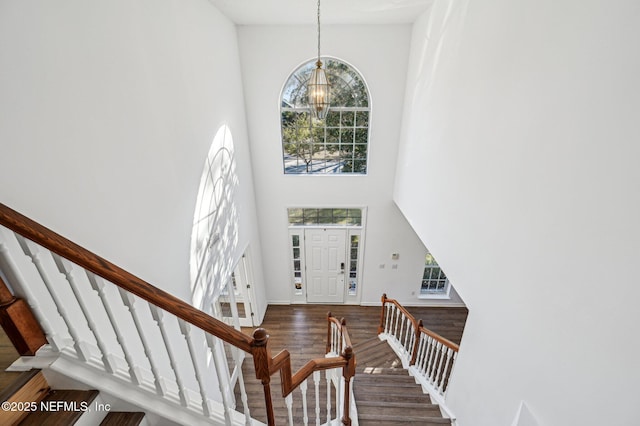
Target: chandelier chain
(318,30)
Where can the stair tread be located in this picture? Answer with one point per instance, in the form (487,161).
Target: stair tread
(386,394)
(29,386)
(123,418)
(381,370)
(376,411)
(387,378)
(361,346)
(385,419)
(401,404)
(67,406)
(421,422)
(20,381)
(383,399)
(376,387)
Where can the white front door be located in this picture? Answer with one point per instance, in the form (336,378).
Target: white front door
(325,255)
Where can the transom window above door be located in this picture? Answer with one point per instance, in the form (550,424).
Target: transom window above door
(319,216)
(339,143)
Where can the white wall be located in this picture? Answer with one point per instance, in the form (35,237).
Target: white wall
(107,112)
(269,55)
(527,113)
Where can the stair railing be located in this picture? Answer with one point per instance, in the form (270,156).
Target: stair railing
(428,356)
(132,318)
(339,342)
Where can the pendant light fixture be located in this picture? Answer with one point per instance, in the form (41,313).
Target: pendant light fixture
(318,87)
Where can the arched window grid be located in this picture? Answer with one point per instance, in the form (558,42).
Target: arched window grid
(336,145)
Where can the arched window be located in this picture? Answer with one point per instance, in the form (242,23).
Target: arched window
(337,144)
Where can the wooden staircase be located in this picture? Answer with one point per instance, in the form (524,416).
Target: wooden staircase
(31,402)
(386,394)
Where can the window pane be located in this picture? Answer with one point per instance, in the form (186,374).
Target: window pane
(353,266)
(325,216)
(362,118)
(348,119)
(434,280)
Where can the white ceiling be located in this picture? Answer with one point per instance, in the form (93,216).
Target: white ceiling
(296,12)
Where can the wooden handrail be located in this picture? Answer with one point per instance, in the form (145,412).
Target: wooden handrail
(289,382)
(448,343)
(282,361)
(341,324)
(417,324)
(99,266)
(266,365)
(257,345)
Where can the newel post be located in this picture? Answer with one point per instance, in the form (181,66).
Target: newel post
(261,361)
(414,351)
(19,324)
(348,371)
(381,326)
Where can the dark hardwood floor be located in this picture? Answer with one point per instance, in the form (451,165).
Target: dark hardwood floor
(8,355)
(302,330)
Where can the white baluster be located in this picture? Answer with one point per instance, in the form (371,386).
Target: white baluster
(453,362)
(388,319)
(316,384)
(450,353)
(421,352)
(33,251)
(288,400)
(332,343)
(407,337)
(13,274)
(399,335)
(429,356)
(328,378)
(336,380)
(130,302)
(396,313)
(392,317)
(66,268)
(412,339)
(238,358)
(404,335)
(303,390)
(243,396)
(158,316)
(442,354)
(185,328)
(434,362)
(213,344)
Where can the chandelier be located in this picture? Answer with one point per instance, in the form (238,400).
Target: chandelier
(318,86)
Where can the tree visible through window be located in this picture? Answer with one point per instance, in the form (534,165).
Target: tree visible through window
(434,281)
(337,144)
